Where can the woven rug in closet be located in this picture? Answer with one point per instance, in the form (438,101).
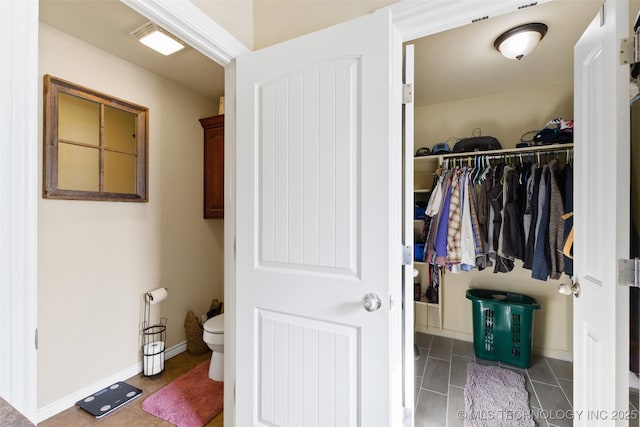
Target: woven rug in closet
(495,396)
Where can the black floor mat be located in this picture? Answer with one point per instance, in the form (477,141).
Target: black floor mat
(109,399)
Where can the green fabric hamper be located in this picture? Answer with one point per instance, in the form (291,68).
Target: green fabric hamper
(502,326)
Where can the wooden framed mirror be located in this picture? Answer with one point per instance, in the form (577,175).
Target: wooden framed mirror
(95,145)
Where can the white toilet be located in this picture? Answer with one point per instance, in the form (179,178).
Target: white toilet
(213,335)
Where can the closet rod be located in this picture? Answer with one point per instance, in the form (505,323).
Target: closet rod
(512,155)
(511,152)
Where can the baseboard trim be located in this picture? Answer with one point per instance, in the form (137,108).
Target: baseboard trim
(464,336)
(68,401)
(173,351)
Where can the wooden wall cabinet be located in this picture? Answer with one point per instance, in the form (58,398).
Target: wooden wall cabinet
(213,166)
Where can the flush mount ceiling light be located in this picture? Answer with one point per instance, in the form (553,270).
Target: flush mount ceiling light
(157,39)
(519,41)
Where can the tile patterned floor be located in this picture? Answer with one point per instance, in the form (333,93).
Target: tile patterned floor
(132,414)
(441,374)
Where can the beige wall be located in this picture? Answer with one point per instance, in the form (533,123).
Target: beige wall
(275,21)
(97,259)
(505,116)
(552,324)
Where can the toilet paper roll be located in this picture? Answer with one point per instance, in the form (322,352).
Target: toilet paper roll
(157,295)
(153,361)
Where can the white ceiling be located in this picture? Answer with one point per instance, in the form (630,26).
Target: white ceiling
(462,63)
(455,64)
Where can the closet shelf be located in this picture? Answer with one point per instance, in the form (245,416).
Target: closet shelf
(422,190)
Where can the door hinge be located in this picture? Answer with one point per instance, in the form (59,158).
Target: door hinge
(407,417)
(407,93)
(630,49)
(406,255)
(629,272)
(36,339)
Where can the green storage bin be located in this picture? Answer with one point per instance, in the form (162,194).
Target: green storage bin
(502,326)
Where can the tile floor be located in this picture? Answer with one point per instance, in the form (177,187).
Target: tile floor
(132,414)
(11,417)
(441,374)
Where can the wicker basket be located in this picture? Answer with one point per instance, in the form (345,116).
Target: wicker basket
(195,343)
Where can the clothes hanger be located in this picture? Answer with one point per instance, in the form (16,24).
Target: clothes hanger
(478,172)
(521,168)
(486,169)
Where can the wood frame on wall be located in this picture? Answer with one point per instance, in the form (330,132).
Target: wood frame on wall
(54,86)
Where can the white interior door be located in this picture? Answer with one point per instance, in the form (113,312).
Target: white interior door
(601,220)
(408,232)
(318,228)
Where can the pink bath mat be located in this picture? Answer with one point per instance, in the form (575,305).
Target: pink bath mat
(192,400)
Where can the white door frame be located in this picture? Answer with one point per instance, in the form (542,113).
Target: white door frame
(201,32)
(18,204)
(19,68)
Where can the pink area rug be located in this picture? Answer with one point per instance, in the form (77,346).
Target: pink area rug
(191,400)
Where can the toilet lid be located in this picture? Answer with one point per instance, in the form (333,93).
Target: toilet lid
(215,325)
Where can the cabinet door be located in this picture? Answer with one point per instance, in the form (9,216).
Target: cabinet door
(214,172)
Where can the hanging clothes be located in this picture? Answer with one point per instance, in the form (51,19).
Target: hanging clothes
(556,223)
(483,218)
(496,201)
(513,229)
(531,239)
(454,232)
(478,244)
(467,240)
(440,244)
(492,215)
(568,209)
(541,258)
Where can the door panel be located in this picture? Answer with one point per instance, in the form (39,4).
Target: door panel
(309,371)
(318,202)
(601,220)
(308,194)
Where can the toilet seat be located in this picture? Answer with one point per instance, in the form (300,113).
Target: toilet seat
(215,325)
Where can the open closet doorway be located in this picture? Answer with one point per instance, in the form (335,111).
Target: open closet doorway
(459,93)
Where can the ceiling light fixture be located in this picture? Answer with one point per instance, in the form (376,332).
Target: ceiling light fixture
(519,41)
(157,39)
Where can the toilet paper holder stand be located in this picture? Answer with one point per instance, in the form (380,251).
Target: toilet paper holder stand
(153,341)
